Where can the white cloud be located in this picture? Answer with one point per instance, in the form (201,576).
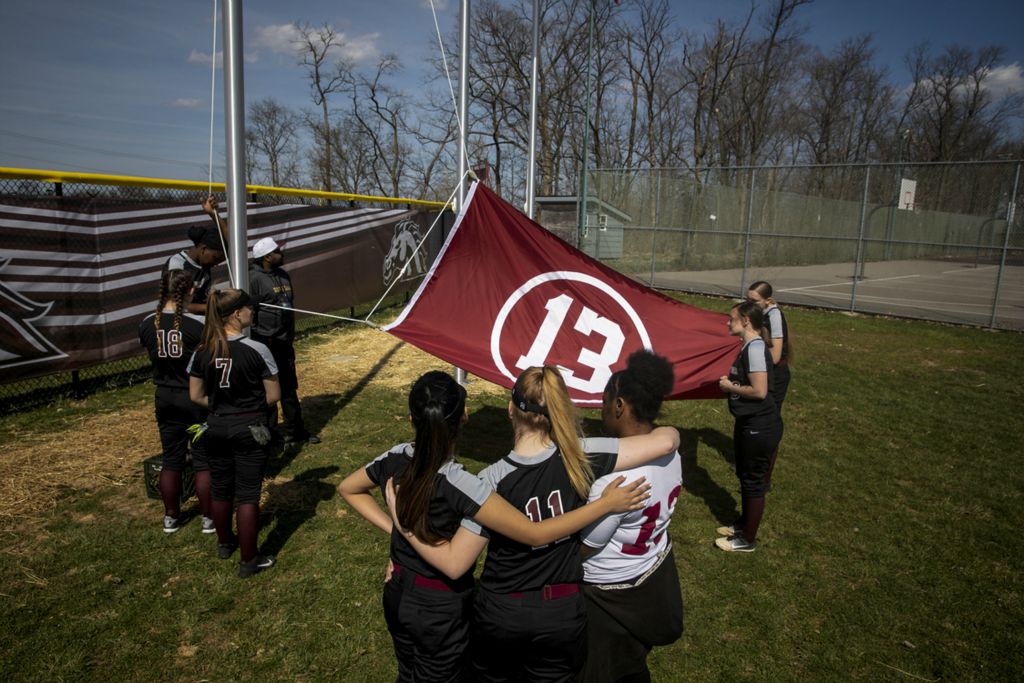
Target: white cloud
(284,38)
(1006,80)
(186,102)
(203,58)
(279,39)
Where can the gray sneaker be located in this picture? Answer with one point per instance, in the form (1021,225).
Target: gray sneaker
(208,526)
(171,524)
(736,544)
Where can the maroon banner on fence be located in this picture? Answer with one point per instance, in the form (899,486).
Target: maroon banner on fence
(78,274)
(505,294)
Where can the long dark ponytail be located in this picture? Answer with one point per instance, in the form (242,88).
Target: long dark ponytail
(436,404)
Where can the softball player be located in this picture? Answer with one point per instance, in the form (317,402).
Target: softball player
(427,610)
(207,251)
(170,335)
(757,430)
(631,584)
(235,379)
(760,293)
(529,617)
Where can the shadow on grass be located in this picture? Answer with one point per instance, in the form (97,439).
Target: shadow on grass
(487,437)
(719,501)
(319,410)
(291,504)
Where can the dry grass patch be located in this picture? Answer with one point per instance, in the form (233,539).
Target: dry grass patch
(38,468)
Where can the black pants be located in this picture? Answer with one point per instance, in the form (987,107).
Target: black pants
(284,355)
(528,638)
(753,443)
(175,413)
(623,624)
(429,629)
(237,462)
(781,385)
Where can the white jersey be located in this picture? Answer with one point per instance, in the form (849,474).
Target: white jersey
(629,543)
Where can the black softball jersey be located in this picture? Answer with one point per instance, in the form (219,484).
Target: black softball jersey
(539,487)
(457,495)
(171,349)
(234,385)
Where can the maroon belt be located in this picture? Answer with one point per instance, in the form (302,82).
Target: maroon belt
(552,591)
(424,582)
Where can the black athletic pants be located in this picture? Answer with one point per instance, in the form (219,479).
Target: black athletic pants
(624,623)
(753,444)
(429,628)
(237,462)
(528,638)
(175,413)
(284,355)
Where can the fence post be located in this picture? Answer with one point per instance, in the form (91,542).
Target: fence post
(1010,209)
(858,268)
(654,231)
(750,222)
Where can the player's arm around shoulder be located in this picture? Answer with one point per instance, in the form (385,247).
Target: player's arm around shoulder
(640,450)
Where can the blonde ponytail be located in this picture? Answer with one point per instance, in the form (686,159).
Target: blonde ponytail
(545,389)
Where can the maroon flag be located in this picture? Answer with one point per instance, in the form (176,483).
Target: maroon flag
(505,294)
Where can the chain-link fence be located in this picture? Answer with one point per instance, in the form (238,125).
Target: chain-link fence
(28,195)
(932,241)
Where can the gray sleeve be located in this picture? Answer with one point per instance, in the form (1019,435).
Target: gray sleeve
(268,358)
(471,525)
(473,487)
(755,356)
(775,323)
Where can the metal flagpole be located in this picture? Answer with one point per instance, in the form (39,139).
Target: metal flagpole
(460,374)
(532,161)
(586,133)
(234,135)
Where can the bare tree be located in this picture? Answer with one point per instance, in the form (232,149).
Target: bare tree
(378,110)
(950,110)
(274,131)
(327,73)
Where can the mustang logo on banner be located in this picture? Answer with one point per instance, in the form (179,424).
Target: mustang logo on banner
(505,294)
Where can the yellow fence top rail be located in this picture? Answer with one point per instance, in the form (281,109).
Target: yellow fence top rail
(137,181)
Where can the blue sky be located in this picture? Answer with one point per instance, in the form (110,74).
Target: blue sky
(123,86)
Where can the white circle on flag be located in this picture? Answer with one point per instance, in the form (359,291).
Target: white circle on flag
(525,288)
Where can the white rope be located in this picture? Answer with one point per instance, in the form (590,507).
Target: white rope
(444,60)
(213,93)
(418,246)
(325,315)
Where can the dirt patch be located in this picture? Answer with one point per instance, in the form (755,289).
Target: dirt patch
(39,469)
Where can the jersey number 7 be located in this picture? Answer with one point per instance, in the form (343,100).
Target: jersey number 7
(224,365)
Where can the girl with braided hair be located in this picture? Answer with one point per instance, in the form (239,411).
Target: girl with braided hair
(631,583)
(427,609)
(235,378)
(170,335)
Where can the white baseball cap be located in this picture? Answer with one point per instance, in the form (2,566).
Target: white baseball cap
(263,247)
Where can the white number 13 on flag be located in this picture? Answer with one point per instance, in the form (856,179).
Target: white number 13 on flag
(587,323)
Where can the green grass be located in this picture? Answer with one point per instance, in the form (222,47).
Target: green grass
(888,551)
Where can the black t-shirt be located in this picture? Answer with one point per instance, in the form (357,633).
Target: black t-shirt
(201,277)
(235,384)
(272,287)
(457,495)
(540,488)
(170,359)
(755,356)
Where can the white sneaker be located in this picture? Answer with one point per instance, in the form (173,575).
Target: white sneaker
(170,524)
(208,526)
(736,544)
